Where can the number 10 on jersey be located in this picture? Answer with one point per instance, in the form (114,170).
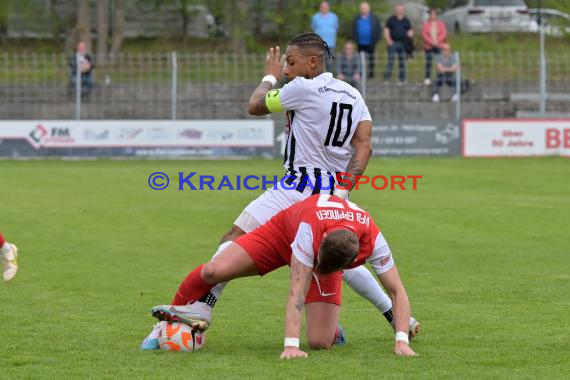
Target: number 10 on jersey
(335,125)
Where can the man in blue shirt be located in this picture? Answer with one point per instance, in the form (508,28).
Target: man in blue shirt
(325,24)
(366,31)
(397,31)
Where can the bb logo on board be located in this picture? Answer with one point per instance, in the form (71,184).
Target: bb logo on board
(555,138)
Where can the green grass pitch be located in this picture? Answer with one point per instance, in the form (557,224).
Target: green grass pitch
(483,247)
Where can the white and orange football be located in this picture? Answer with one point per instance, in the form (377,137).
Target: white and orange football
(178,336)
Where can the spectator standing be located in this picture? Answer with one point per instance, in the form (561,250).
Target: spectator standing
(367,31)
(434,35)
(348,66)
(446,69)
(325,24)
(85,62)
(397,31)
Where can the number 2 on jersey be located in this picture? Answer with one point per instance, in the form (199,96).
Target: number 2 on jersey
(336,124)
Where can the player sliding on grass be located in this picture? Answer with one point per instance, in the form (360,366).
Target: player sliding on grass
(316,237)
(8,254)
(329,132)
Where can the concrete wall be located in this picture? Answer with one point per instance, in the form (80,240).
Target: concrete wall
(228,101)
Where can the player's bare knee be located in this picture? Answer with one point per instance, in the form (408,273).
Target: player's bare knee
(320,342)
(210,273)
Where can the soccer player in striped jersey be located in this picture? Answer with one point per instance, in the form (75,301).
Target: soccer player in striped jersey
(329,132)
(8,254)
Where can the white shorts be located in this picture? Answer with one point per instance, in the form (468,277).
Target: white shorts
(264,207)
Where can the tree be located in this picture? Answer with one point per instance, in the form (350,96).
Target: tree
(185,15)
(238,26)
(102,30)
(83,26)
(118,27)
(59,24)
(4,12)
(257,13)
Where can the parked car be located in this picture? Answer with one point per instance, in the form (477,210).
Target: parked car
(556,23)
(484,16)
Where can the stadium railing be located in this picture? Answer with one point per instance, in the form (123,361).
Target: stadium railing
(217,86)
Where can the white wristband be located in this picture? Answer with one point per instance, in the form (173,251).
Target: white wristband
(291,342)
(402,337)
(341,193)
(271,79)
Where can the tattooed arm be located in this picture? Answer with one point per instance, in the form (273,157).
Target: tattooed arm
(362,144)
(256,105)
(300,281)
(273,66)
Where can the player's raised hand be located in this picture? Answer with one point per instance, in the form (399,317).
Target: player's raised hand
(293,353)
(274,62)
(403,349)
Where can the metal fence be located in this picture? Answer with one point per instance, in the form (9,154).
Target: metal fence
(197,86)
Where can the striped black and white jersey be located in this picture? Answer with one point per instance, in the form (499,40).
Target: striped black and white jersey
(323,114)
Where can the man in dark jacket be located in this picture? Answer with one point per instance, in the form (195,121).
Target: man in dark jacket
(367,31)
(398,30)
(82,59)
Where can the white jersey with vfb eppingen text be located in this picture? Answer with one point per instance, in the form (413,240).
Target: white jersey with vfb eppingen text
(323,115)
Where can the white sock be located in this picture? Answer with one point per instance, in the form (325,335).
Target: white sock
(219,288)
(365,285)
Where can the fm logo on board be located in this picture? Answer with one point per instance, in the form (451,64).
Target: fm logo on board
(42,135)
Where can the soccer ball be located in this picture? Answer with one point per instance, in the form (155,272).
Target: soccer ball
(178,336)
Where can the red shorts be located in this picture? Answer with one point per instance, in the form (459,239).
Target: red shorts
(269,250)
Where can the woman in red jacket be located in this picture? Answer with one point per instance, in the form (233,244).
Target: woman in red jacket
(434,35)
